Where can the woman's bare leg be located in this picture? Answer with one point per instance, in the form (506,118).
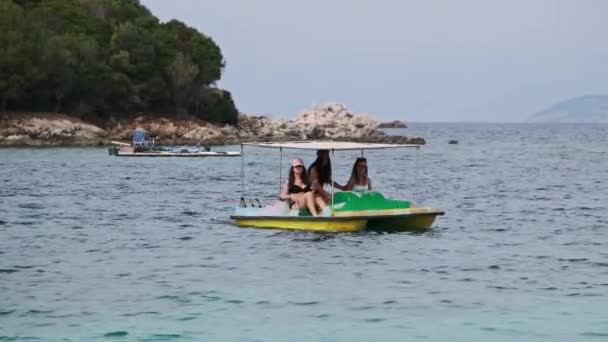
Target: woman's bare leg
(306,201)
(310,201)
(320,203)
(300,201)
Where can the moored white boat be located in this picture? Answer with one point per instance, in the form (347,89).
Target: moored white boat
(144,146)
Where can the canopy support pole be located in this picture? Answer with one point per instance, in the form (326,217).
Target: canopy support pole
(417,194)
(243,203)
(280,169)
(331,176)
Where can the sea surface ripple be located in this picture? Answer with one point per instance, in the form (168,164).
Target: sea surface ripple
(94,247)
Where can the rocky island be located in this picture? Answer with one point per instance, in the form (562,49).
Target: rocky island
(331,121)
(89,72)
(393,124)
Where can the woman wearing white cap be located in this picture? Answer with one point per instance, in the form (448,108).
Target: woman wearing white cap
(297,190)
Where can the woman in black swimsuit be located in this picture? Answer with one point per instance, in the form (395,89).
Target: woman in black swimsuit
(320,174)
(296,189)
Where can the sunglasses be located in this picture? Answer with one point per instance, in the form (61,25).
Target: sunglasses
(298,167)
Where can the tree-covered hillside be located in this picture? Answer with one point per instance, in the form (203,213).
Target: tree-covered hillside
(105,58)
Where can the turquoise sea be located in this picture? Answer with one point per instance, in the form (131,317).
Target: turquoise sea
(94,247)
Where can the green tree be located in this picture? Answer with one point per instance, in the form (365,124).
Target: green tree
(107,58)
(12,63)
(182,74)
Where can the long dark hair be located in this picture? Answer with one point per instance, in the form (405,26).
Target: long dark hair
(355,175)
(292,178)
(323,172)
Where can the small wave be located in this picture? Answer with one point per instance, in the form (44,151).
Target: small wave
(135,314)
(573,259)
(305,303)
(499,287)
(114,334)
(374,320)
(361,308)
(467,279)
(594,334)
(38,312)
(212,298)
(8,270)
(149,246)
(23,267)
(31,206)
(26,223)
(162,337)
(167,297)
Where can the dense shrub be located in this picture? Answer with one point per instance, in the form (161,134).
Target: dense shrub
(106,58)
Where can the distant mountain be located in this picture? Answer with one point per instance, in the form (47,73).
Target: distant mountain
(583,109)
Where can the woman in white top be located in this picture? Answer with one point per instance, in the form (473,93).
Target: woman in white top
(359,181)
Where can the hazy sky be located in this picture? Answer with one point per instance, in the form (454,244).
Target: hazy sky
(466,60)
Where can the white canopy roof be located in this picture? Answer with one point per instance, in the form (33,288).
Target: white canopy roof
(327,145)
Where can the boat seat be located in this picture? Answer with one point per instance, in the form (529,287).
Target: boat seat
(365,200)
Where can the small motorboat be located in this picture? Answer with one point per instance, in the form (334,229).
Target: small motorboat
(145,146)
(348,211)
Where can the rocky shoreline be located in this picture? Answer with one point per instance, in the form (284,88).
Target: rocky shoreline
(324,122)
(393,124)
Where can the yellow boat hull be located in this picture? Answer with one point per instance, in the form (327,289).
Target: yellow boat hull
(402,222)
(318,224)
(413,218)
(395,219)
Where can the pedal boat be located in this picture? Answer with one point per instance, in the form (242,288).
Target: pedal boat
(349,211)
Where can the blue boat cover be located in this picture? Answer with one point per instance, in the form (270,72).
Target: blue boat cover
(140,135)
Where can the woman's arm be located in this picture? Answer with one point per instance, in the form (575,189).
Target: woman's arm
(369,184)
(313,177)
(339,187)
(350,185)
(284,195)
